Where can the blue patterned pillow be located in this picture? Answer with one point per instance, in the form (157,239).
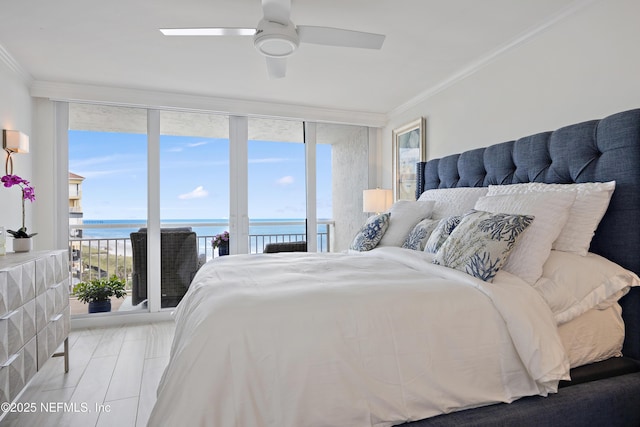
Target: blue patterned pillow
(371,233)
(481,243)
(418,237)
(440,234)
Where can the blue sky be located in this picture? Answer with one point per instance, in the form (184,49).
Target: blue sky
(194,175)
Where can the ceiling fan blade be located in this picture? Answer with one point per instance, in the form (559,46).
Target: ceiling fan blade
(208,31)
(338,37)
(277,10)
(276,67)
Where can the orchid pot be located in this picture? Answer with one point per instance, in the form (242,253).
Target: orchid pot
(22,244)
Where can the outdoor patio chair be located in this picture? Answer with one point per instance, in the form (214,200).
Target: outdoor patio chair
(285,247)
(179,263)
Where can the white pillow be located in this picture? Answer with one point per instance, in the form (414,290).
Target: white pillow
(593,336)
(572,284)
(405,214)
(550,212)
(592,201)
(453,201)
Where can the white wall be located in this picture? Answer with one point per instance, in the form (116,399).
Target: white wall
(585,66)
(51,172)
(15,114)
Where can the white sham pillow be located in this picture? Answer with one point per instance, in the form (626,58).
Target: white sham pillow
(550,212)
(571,284)
(593,336)
(453,201)
(592,201)
(405,214)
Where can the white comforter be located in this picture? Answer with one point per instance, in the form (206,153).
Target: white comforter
(372,339)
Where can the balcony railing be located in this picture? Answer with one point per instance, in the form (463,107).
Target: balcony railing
(94,257)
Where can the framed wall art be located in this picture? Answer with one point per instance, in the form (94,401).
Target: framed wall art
(409,148)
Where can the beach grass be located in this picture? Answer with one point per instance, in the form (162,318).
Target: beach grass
(104,263)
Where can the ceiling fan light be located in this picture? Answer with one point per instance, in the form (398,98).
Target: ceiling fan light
(275,40)
(276,46)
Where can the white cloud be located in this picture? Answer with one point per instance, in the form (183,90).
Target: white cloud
(197,144)
(88,174)
(92,161)
(269,160)
(198,193)
(285,180)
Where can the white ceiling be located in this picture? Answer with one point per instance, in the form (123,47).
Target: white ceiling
(116,43)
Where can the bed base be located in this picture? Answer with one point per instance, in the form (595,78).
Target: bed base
(611,402)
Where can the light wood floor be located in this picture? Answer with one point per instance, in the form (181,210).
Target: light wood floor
(112,379)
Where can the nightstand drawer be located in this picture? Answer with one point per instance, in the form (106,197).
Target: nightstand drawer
(51,302)
(16,286)
(11,381)
(17,371)
(60,296)
(52,335)
(16,328)
(10,334)
(60,266)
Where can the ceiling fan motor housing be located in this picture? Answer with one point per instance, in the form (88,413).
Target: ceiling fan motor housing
(276,40)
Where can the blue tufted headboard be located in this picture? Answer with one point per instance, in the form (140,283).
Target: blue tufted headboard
(594,151)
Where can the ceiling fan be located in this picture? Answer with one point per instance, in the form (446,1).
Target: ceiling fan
(276,37)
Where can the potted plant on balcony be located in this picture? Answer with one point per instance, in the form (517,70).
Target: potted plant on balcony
(221,241)
(98,293)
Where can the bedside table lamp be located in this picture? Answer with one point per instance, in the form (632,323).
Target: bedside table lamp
(376,200)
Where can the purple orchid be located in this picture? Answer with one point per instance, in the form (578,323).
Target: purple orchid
(28,193)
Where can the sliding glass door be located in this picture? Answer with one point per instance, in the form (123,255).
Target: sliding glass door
(276,183)
(108,194)
(194,196)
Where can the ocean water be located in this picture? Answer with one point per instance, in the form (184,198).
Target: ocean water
(112,230)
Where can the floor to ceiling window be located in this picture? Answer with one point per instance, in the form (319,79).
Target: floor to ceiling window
(194,196)
(108,193)
(276,182)
(139,177)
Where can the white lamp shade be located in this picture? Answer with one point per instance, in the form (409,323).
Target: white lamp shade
(376,200)
(15,141)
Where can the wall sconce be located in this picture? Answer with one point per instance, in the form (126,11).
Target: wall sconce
(13,141)
(376,200)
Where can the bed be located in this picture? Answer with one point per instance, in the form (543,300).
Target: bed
(385,336)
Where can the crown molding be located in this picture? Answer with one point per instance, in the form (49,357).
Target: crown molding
(475,66)
(13,65)
(70,92)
